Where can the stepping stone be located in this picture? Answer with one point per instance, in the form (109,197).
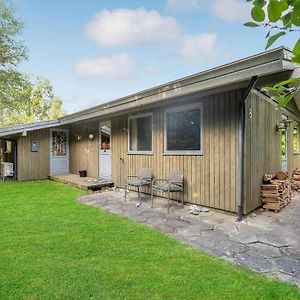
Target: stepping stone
(254,262)
(243,237)
(264,250)
(288,266)
(273,239)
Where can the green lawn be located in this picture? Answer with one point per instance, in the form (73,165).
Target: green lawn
(52,247)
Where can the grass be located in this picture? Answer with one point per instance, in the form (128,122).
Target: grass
(53,247)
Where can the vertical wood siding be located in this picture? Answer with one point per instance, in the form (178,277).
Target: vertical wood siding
(263,147)
(84,152)
(33,165)
(211,178)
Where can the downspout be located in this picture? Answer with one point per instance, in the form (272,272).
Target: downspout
(241,149)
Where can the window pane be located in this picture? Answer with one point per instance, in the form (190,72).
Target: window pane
(295,139)
(59,143)
(183,130)
(105,137)
(283,145)
(140,134)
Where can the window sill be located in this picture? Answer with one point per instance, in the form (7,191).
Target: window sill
(189,153)
(140,153)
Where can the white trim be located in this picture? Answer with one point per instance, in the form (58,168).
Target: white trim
(104,123)
(137,116)
(184,108)
(50,148)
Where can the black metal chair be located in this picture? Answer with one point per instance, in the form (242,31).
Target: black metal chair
(142,179)
(173,183)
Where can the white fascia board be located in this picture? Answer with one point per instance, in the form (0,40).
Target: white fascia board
(28,127)
(181,90)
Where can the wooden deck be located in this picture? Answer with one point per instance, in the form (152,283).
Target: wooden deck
(85,183)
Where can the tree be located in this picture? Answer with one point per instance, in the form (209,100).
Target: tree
(22,99)
(38,103)
(279,17)
(12,52)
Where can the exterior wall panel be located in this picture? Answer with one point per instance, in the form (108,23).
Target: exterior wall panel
(211,178)
(263,146)
(33,165)
(83,150)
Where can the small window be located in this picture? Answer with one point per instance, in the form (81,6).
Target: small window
(8,148)
(183,128)
(140,134)
(296,139)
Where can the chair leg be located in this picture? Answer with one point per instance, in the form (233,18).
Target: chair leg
(168,201)
(139,196)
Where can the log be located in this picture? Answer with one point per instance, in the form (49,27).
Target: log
(282,175)
(267,178)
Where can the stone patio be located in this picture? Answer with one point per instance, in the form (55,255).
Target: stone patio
(265,242)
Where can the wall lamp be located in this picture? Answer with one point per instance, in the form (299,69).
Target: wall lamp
(284,124)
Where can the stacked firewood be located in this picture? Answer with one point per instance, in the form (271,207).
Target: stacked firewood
(295,185)
(275,191)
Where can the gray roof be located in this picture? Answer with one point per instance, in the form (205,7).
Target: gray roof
(28,127)
(262,64)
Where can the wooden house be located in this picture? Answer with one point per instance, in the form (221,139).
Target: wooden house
(217,126)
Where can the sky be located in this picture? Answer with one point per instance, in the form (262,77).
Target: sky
(96,51)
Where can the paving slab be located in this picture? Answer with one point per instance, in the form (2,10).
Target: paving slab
(264,250)
(264,242)
(274,239)
(254,262)
(288,266)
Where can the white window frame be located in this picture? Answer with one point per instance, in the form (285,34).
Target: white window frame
(296,127)
(132,117)
(183,109)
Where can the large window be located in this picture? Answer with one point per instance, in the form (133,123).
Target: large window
(140,134)
(296,139)
(183,130)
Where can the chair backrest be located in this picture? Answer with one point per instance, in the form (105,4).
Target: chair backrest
(175,176)
(145,173)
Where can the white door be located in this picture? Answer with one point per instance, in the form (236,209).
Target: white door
(104,151)
(59,151)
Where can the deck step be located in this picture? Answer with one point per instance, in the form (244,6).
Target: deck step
(84,183)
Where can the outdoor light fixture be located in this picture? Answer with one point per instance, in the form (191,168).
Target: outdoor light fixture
(79,138)
(287,122)
(284,124)
(24,133)
(91,136)
(280,126)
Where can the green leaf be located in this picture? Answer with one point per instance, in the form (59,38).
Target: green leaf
(296,59)
(260,3)
(289,81)
(268,34)
(273,89)
(283,101)
(251,24)
(296,49)
(257,14)
(284,5)
(273,38)
(274,10)
(295,18)
(286,19)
